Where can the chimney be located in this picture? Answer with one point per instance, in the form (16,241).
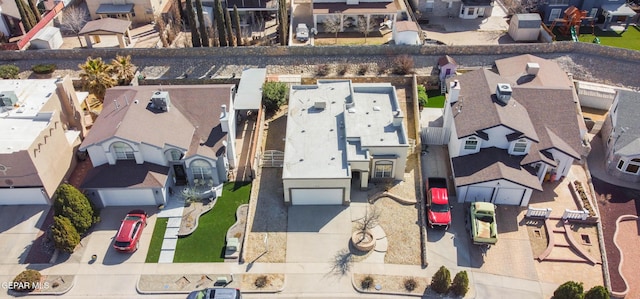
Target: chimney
(224,119)
(397,118)
(503,92)
(532,68)
(454,91)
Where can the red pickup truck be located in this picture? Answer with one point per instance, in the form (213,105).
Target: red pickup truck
(438,209)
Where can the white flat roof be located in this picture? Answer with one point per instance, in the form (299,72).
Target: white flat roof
(320,142)
(21,124)
(249,96)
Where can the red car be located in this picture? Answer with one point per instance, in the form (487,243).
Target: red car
(438,210)
(128,236)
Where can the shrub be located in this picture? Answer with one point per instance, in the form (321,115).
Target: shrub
(403,65)
(261,281)
(342,69)
(569,290)
(597,292)
(274,95)
(362,69)
(366,282)
(43,68)
(460,285)
(75,206)
(441,280)
(9,71)
(410,284)
(65,235)
(26,281)
(423,98)
(322,70)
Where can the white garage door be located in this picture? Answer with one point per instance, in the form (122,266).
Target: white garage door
(479,194)
(127,197)
(508,196)
(317,196)
(22,196)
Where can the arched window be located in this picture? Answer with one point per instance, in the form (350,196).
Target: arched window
(122,151)
(383,169)
(201,169)
(471,144)
(520,146)
(633,166)
(174,155)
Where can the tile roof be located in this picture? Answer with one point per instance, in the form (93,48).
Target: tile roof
(549,75)
(402,26)
(126,174)
(446,59)
(109,25)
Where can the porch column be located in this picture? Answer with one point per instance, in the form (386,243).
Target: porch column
(121,41)
(364,180)
(87,39)
(607,21)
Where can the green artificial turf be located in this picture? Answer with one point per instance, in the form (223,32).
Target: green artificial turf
(629,39)
(436,99)
(207,243)
(156,241)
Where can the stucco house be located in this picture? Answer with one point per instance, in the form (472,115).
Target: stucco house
(512,130)
(406,33)
(150,138)
(621,136)
(41,126)
(348,13)
(339,133)
(136,11)
(603,11)
(10,19)
(463,9)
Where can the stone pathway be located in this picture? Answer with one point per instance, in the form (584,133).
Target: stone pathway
(380,250)
(173,212)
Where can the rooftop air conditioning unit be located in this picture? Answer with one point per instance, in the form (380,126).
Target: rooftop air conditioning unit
(503,92)
(160,100)
(8,98)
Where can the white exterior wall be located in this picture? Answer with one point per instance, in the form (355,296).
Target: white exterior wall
(406,38)
(454,142)
(344,183)
(152,154)
(463,193)
(399,162)
(23,196)
(98,155)
(497,137)
(564,163)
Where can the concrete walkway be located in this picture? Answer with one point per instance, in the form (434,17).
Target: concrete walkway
(173,212)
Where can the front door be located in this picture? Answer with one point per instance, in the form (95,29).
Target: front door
(481,12)
(180,174)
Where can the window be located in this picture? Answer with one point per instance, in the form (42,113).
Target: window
(174,155)
(383,169)
(520,146)
(620,164)
(429,6)
(471,144)
(633,166)
(471,11)
(122,151)
(555,13)
(593,12)
(558,2)
(201,169)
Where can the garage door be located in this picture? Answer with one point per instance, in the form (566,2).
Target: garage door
(127,197)
(508,196)
(317,196)
(479,194)
(22,196)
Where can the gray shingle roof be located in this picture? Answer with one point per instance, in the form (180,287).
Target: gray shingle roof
(126,174)
(627,118)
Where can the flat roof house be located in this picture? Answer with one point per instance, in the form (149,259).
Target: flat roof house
(339,131)
(150,138)
(41,125)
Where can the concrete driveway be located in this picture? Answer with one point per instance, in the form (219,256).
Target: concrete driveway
(317,233)
(19,226)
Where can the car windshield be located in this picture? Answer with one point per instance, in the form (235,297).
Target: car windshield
(122,244)
(132,218)
(439,208)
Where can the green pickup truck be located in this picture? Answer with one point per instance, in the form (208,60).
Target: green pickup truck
(483,228)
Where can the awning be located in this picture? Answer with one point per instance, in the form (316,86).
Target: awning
(115,9)
(618,10)
(249,96)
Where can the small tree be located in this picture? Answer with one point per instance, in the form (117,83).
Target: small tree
(370,220)
(274,95)
(123,69)
(9,71)
(65,236)
(333,24)
(75,206)
(365,26)
(219,17)
(227,22)
(597,292)
(283,25)
(460,285)
(96,77)
(73,20)
(203,25)
(26,281)
(403,65)
(441,280)
(366,282)
(423,98)
(43,68)
(569,290)
(196,41)
(236,18)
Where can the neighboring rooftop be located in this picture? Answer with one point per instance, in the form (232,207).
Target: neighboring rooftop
(627,125)
(335,122)
(249,96)
(21,120)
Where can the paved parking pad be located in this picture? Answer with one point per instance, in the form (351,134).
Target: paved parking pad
(317,233)
(19,226)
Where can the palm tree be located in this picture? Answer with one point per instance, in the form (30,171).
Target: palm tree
(123,69)
(96,77)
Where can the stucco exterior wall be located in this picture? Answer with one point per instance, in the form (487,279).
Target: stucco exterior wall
(344,183)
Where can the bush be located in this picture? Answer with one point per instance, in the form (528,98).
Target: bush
(366,282)
(460,285)
(362,69)
(342,69)
(43,68)
(261,281)
(597,292)
(322,70)
(9,71)
(441,280)
(26,281)
(75,206)
(410,284)
(274,95)
(569,290)
(65,235)
(423,98)
(403,65)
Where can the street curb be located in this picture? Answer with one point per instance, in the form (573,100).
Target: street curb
(355,287)
(159,292)
(56,293)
